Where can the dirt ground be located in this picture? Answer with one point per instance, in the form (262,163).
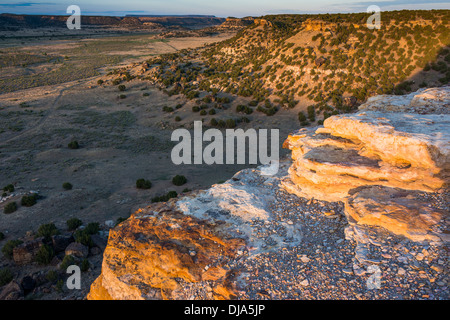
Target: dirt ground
(121,140)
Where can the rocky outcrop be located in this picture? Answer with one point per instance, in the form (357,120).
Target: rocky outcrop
(376,178)
(158,251)
(386,151)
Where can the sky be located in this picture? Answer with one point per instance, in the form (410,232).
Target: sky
(223,8)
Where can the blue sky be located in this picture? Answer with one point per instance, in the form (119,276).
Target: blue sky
(224,8)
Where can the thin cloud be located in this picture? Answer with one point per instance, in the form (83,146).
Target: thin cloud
(25,4)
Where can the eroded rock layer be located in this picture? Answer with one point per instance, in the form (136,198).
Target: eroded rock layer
(151,254)
(377,159)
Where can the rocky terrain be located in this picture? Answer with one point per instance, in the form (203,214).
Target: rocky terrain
(360,211)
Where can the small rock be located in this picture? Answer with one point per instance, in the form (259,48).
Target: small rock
(110,223)
(401,272)
(304,283)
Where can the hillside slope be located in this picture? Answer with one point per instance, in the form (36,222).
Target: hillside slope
(330,63)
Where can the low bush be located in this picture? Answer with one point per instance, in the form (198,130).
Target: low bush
(167,109)
(84,265)
(30,200)
(44,255)
(66,262)
(179,180)
(10,207)
(122,87)
(7,249)
(177,119)
(73,224)
(73,145)
(47,231)
(143,184)
(166,197)
(8,188)
(67,186)
(6,276)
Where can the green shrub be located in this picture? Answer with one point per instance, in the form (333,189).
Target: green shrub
(67,261)
(92,228)
(195,109)
(167,109)
(143,184)
(73,223)
(166,197)
(212,112)
(213,122)
(5,276)
(44,255)
(7,249)
(179,180)
(84,265)
(8,188)
(145,94)
(100,82)
(83,237)
(122,87)
(230,123)
(122,96)
(302,118)
(47,231)
(51,276)
(177,119)
(10,207)
(67,186)
(178,106)
(73,145)
(204,112)
(28,201)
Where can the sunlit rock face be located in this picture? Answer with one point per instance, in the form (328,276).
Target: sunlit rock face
(157,250)
(388,150)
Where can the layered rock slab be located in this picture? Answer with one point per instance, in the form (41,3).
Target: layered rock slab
(401,150)
(156,250)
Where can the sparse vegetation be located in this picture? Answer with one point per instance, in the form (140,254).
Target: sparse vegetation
(10,207)
(47,231)
(179,180)
(44,255)
(29,200)
(166,197)
(6,276)
(73,145)
(7,249)
(143,184)
(8,188)
(67,186)
(73,224)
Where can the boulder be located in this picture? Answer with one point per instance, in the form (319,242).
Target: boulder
(26,252)
(28,284)
(60,242)
(401,212)
(11,291)
(77,250)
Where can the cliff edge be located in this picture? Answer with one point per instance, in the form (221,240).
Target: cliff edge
(360,211)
